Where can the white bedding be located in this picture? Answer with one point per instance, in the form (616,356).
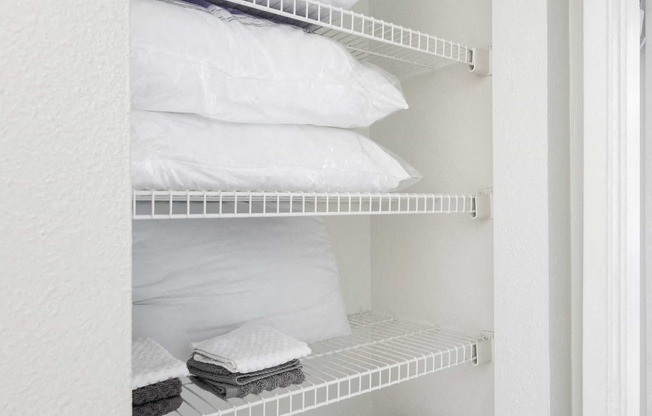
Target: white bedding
(234,67)
(183,151)
(197,279)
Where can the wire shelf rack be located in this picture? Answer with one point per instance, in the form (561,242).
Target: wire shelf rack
(396,48)
(149,204)
(381,351)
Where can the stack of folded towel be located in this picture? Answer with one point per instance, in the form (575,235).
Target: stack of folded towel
(249,360)
(156,387)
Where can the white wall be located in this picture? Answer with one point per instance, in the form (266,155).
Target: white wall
(350,239)
(646,129)
(576,192)
(439,269)
(532,207)
(65,209)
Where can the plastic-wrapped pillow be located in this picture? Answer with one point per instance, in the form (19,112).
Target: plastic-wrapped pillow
(234,67)
(186,151)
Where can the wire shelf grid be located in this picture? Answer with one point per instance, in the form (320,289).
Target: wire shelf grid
(148,204)
(398,49)
(380,352)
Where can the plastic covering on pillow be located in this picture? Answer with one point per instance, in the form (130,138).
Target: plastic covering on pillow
(196,279)
(230,66)
(189,152)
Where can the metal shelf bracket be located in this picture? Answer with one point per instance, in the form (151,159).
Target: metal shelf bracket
(484,204)
(481,61)
(484,349)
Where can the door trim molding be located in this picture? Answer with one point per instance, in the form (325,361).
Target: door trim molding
(612,209)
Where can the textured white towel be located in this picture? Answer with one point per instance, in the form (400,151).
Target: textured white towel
(250,348)
(151,363)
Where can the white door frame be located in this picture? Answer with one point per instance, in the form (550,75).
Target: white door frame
(612,210)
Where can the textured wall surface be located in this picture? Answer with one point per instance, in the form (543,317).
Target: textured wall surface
(532,208)
(437,268)
(65,203)
(350,239)
(520,79)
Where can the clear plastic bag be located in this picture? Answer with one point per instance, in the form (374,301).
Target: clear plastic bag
(183,151)
(238,68)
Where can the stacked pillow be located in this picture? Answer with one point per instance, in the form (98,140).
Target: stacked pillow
(274,86)
(227,101)
(233,67)
(197,279)
(184,151)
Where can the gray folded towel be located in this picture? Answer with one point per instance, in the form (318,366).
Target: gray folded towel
(222,375)
(158,391)
(228,391)
(157,407)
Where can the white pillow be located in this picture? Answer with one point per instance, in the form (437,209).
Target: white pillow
(233,67)
(184,151)
(196,279)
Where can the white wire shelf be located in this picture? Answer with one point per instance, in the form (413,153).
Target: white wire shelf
(396,48)
(381,352)
(204,204)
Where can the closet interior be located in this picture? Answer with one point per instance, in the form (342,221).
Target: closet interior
(415,265)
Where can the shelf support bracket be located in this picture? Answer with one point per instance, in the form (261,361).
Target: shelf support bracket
(484,204)
(483,350)
(481,61)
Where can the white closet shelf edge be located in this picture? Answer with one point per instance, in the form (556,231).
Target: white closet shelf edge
(149,204)
(380,352)
(400,50)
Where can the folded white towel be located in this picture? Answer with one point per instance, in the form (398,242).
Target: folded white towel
(250,348)
(151,364)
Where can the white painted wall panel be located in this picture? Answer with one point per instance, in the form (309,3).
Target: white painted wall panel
(65,209)
(439,269)
(350,237)
(520,85)
(576,195)
(646,189)
(532,207)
